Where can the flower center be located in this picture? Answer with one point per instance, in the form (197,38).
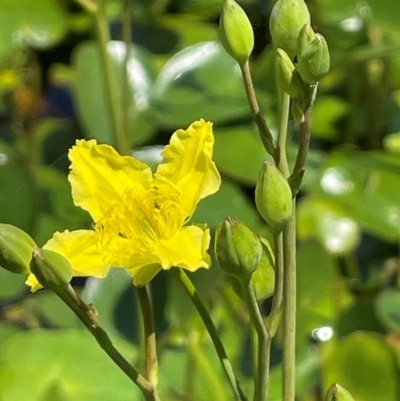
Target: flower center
(141,218)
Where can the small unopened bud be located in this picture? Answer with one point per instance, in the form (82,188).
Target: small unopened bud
(287,19)
(237,249)
(337,393)
(235,32)
(288,77)
(51,269)
(314,60)
(16,248)
(263,279)
(306,35)
(273,197)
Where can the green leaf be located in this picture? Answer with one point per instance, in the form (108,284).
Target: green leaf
(91,95)
(17,196)
(40,23)
(315,283)
(186,90)
(388,309)
(11,285)
(327,221)
(105,295)
(228,201)
(365,365)
(32,362)
(233,146)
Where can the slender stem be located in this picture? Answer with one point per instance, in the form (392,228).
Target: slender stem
(125,90)
(289,267)
(263,130)
(89,319)
(150,337)
(263,346)
(101,21)
(277,302)
(206,369)
(289,312)
(298,169)
(191,291)
(282,136)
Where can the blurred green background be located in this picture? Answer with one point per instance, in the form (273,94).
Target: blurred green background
(52,92)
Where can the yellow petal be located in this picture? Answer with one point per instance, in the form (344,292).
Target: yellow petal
(32,282)
(79,247)
(145,274)
(99,176)
(188,164)
(186,249)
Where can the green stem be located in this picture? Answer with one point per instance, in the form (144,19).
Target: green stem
(89,319)
(289,267)
(289,308)
(101,21)
(191,291)
(261,381)
(263,130)
(277,301)
(150,339)
(125,90)
(282,136)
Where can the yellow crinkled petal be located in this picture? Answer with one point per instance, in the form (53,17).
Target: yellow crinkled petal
(143,267)
(79,247)
(186,249)
(188,164)
(99,176)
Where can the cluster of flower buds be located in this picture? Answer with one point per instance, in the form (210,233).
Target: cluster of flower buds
(294,39)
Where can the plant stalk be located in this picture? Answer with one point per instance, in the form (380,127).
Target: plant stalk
(263,130)
(89,319)
(151,367)
(191,291)
(110,84)
(261,381)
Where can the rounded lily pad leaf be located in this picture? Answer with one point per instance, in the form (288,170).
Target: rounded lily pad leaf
(40,23)
(17,198)
(392,143)
(91,95)
(228,201)
(233,145)
(365,365)
(329,223)
(199,81)
(70,358)
(388,309)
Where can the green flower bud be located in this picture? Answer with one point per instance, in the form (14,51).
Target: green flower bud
(306,35)
(237,249)
(16,248)
(297,111)
(51,269)
(273,197)
(287,19)
(314,60)
(263,279)
(235,32)
(288,77)
(337,393)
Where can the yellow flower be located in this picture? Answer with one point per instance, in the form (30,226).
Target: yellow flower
(139,216)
